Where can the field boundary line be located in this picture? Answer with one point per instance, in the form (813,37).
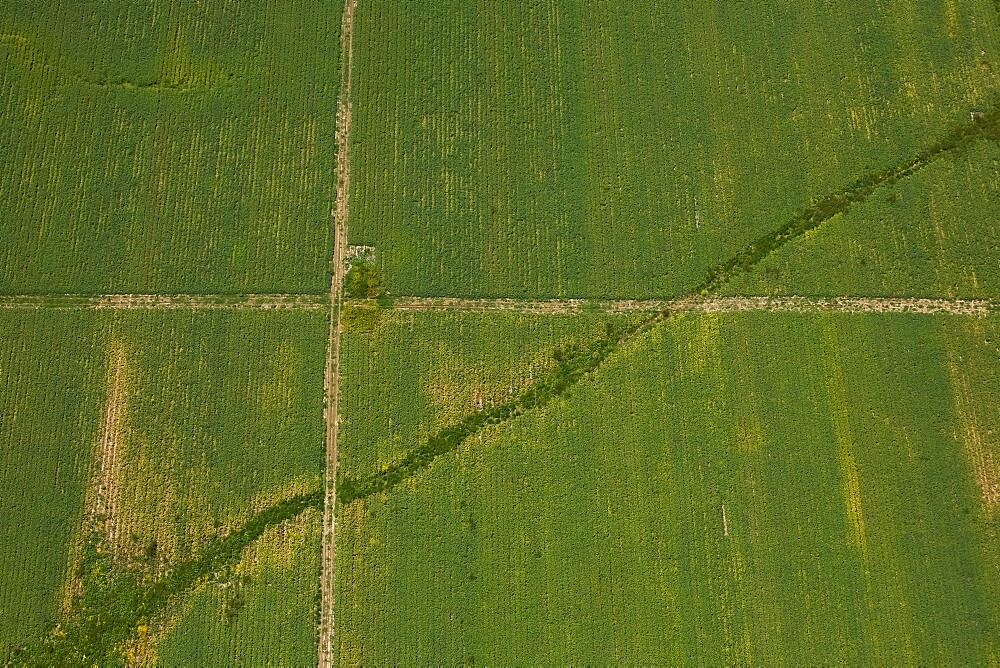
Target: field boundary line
(698,304)
(695,304)
(331,375)
(154,301)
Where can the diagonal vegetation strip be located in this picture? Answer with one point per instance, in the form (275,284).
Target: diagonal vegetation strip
(575,365)
(110,611)
(984,127)
(581,362)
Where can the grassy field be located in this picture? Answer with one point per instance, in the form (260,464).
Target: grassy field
(167,147)
(934,234)
(542,149)
(701,499)
(184,427)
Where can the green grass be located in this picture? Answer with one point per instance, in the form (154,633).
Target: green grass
(541,149)
(216,421)
(931,235)
(164,147)
(592,531)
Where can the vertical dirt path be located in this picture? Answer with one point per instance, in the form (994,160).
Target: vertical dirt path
(331,377)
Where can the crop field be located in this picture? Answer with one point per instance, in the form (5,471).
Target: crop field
(184,429)
(167,146)
(702,500)
(542,149)
(502,333)
(262,615)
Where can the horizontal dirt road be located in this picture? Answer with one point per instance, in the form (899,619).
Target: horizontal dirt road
(132,301)
(974,307)
(789,304)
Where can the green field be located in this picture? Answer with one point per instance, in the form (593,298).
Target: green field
(477,441)
(262,615)
(859,523)
(182,428)
(167,146)
(555,149)
(50,402)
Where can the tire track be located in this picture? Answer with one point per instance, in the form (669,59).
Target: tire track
(100,505)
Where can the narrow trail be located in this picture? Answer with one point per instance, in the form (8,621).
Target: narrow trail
(331,376)
(697,304)
(783,304)
(137,302)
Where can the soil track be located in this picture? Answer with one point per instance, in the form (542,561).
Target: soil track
(792,304)
(331,376)
(136,301)
(108,466)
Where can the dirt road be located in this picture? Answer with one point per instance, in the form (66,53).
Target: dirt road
(136,301)
(790,304)
(331,377)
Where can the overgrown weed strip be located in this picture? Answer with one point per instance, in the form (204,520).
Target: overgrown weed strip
(116,602)
(985,126)
(573,365)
